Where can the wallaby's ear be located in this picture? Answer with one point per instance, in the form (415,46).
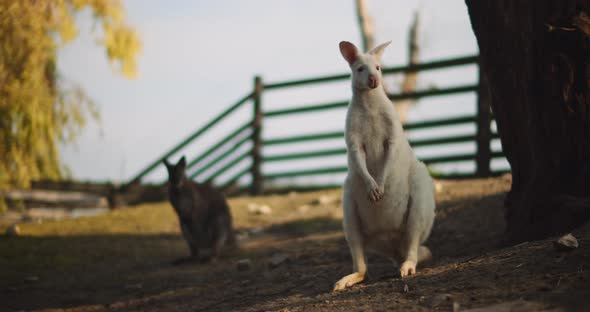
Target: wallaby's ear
(378,50)
(349,52)
(166,163)
(182,162)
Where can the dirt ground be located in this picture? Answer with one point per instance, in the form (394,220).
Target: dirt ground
(90,268)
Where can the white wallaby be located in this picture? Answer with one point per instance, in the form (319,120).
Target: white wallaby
(388,197)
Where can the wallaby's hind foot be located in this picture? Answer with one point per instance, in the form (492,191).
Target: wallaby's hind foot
(408,267)
(349,280)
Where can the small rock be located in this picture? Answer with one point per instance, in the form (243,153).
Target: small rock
(134,286)
(259,209)
(27,218)
(406,288)
(256,230)
(277,259)
(13,230)
(521,244)
(267,274)
(325,200)
(303,209)
(441,300)
(31,279)
(244,265)
(566,243)
(242,236)
(544,288)
(517,305)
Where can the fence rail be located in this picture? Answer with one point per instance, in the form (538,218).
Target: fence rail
(228,153)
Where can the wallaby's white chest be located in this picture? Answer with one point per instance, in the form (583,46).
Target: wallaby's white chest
(371,126)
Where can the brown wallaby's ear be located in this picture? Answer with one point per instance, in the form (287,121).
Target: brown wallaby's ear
(166,163)
(182,162)
(349,52)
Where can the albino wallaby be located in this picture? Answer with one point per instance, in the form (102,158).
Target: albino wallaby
(204,216)
(388,196)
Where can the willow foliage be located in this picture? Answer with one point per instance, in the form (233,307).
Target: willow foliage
(37,111)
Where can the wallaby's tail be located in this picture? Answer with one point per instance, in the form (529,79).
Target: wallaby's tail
(424,254)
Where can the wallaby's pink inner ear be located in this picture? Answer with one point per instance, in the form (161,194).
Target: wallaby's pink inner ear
(349,51)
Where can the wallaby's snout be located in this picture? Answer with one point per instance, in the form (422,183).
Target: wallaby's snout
(373,82)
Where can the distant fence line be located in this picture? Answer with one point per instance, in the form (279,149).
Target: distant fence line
(250,132)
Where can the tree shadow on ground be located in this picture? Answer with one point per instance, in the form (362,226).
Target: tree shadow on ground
(133,272)
(66,271)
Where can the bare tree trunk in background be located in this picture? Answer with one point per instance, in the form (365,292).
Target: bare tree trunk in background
(535,55)
(367,28)
(366,25)
(410,78)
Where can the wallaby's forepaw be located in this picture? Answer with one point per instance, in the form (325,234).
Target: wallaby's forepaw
(348,281)
(375,192)
(408,268)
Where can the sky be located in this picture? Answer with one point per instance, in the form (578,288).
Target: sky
(199,57)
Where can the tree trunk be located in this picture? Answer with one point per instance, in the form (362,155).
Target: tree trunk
(535,55)
(410,78)
(367,29)
(366,25)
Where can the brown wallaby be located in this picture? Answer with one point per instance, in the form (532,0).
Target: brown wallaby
(204,216)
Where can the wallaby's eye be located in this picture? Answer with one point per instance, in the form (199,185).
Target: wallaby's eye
(360,69)
(378,67)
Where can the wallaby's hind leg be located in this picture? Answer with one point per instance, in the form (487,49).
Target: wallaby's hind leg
(190,240)
(419,221)
(220,241)
(194,256)
(355,243)
(410,260)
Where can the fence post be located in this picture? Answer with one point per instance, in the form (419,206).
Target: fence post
(484,132)
(257,180)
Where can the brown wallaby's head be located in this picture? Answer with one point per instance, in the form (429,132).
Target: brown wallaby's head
(176,175)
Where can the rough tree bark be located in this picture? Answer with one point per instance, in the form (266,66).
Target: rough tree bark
(535,55)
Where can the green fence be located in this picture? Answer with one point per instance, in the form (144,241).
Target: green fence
(250,134)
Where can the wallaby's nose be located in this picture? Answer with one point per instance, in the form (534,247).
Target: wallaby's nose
(372,81)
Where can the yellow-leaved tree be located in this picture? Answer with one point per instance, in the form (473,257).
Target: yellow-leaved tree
(37,112)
